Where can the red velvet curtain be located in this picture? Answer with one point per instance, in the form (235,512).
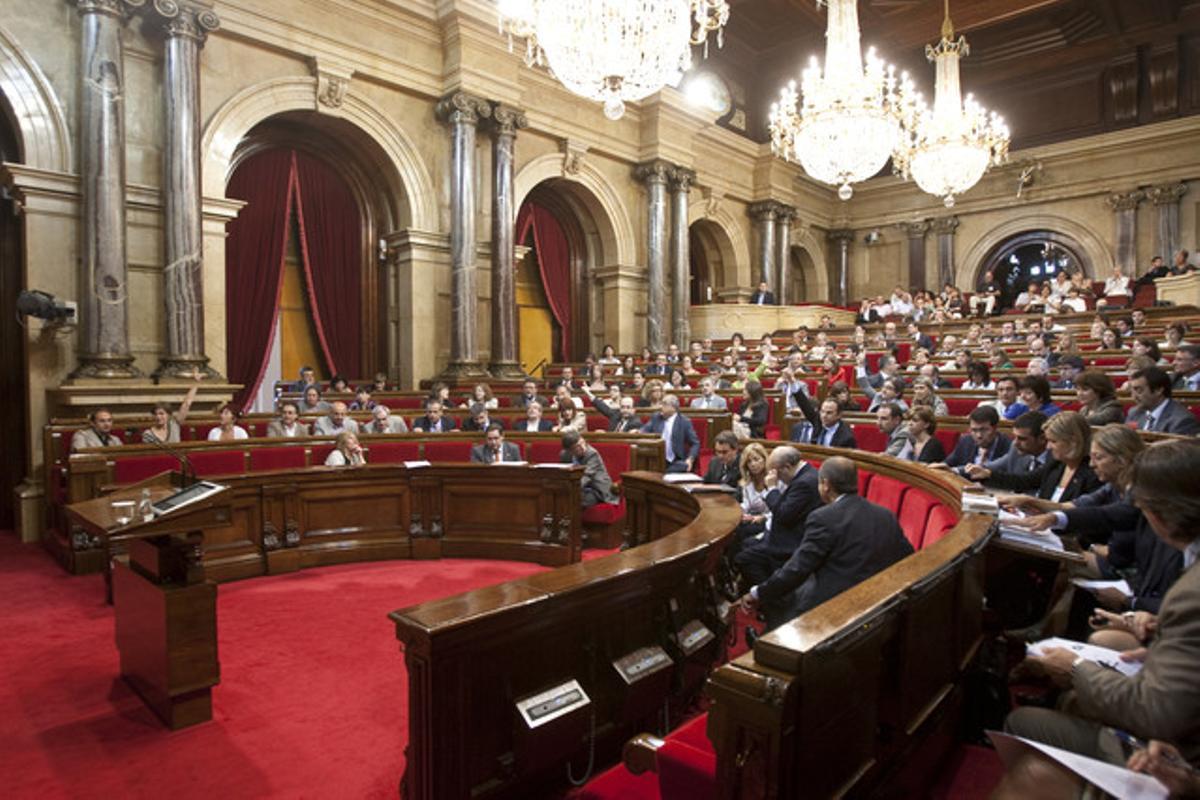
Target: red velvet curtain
(331,249)
(554,261)
(254,257)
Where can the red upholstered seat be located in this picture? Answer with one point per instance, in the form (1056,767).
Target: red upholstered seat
(772,432)
(941,519)
(269,458)
(948,439)
(864,481)
(960,406)
(393,452)
(447,451)
(545,452)
(200,432)
(618,783)
(320,452)
(404,402)
(131,469)
(617,456)
(687,763)
(914,514)
(255,429)
(869,437)
(887,492)
(702,462)
(700,425)
(604,513)
(220,462)
(597,422)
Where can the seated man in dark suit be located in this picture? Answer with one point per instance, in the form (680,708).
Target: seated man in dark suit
(762,296)
(845,542)
(985,442)
(596,485)
(825,428)
(623,418)
(528,395)
(533,422)
(725,466)
(1155,410)
(480,420)
(682,444)
(792,495)
(494,449)
(1186,377)
(434,421)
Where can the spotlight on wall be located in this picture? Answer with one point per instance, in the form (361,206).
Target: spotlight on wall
(43,305)
(873,237)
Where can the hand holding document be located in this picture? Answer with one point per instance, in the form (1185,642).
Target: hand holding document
(1103,656)
(1094,586)
(1111,778)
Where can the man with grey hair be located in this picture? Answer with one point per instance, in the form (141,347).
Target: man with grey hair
(678,435)
(708,397)
(791,486)
(845,542)
(384,422)
(335,422)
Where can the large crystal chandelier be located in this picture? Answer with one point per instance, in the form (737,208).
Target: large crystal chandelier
(847,121)
(613,51)
(947,149)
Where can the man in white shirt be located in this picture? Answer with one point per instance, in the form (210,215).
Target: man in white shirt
(335,422)
(708,398)
(1006,395)
(1155,410)
(288,424)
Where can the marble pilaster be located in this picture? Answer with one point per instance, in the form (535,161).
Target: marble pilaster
(186,25)
(461,112)
(1124,207)
(654,175)
(680,183)
(764,215)
(1166,230)
(945,227)
(841,239)
(506,121)
(783,255)
(915,231)
(104,286)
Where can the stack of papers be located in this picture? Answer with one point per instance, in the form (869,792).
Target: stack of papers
(681,477)
(1042,540)
(1092,586)
(1101,655)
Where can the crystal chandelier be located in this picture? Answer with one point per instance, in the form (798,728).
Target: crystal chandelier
(847,123)
(947,149)
(613,51)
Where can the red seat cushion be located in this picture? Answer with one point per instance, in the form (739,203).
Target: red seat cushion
(887,492)
(941,519)
(686,772)
(618,783)
(869,437)
(948,439)
(393,452)
(447,451)
(604,513)
(269,458)
(864,481)
(700,425)
(544,452)
(914,514)
(693,733)
(960,406)
(320,452)
(618,458)
(220,462)
(597,422)
(131,469)
(404,402)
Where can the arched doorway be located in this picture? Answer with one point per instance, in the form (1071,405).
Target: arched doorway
(803,275)
(305,248)
(14,375)
(1038,256)
(712,261)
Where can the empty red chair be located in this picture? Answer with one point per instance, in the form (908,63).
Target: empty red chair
(448,451)
(941,519)
(700,425)
(864,481)
(131,469)
(887,492)
(869,437)
(393,452)
(320,452)
(914,515)
(545,452)
(597,422)
(219,462)
(949,439)
(960,406)
(269,458)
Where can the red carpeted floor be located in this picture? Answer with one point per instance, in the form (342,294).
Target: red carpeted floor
(312,700)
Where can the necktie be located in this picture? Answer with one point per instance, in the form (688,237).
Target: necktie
(666,435)
(1148,423)
(827,438)
(498,456)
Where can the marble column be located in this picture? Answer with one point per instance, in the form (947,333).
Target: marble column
(655,174)
(506,121)
(186,25)
(462,113)
(783,255)
(104,288)
(841,240)
(764,214)
(915,231)
(945,227)
(681,180)
(1166,231)
(1124,207)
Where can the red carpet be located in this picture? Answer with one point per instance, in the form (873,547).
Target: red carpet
(312,700)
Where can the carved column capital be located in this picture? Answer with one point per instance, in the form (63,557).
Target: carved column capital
(945,225)
(113,8)
(506,120)
(1166,193)
(656,171)
(915,229)
(184,18)
(840,235)
(681,179)
(1124,201)
(764,211)
(461,108)
(785,214)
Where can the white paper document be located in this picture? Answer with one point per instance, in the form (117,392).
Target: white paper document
(1103,656)
(1043,540)
(416,464)
(1111,778)
(552,465)
(1122,586)
(681,477)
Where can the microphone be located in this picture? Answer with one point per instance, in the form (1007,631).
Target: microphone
(185,463)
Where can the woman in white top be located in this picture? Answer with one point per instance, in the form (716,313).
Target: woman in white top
(165,429)
(482,393)
(570,419)
(228,431)
(347,452)
(1117,284)
(608,355)
(754,489)
(596,378)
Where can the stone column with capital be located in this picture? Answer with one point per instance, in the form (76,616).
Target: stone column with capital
(655,174)
(104,288)
(1166,231)
(841,239)
(915,231)
(783,255)
(186,25)
(1124,207)
(506,121)
(945,227)
(461,112)
(764,214)
(681,180)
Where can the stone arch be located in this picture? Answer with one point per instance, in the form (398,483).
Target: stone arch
(1095,254)
(37,112)
(591,192)
(816,281)
(405,172)
(732,246)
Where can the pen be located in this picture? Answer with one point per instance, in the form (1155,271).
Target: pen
(1138,744)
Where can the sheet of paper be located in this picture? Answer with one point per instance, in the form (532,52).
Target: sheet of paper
(1090,585)
(1101,655)
(681,477)
(416,464)
(553,465)
(1113,779)
(1044,540)
(1009,516)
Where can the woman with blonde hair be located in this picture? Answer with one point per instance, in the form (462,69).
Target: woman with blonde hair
(346,452)
(1069,475)
(652,394)
(756,517)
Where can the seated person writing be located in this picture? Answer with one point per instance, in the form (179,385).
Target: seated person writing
(985,441)
(480,419)
(596,485)
(347,452)
(494,449)
(724,466)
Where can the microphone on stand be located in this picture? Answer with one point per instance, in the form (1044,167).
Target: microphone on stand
(185,463)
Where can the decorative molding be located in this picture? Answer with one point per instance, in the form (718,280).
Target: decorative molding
(462,108)
(333,81)
(573,154)
(945,226)
(915,229)
(840,235)
(656,171)
(113,8)
(41,123)
(507,120)
(712,202)
(1125,201)
(764,211)
(1166,194)
(681,179)
(186,18)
